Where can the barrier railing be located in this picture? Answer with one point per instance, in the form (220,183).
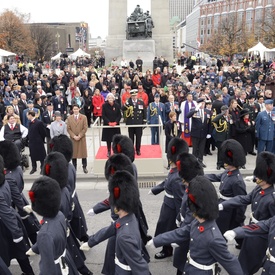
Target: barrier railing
(95,126)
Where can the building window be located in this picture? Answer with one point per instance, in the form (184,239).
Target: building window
(258,14)
(248,16)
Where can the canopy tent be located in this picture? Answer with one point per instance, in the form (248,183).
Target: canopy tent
(258,49)
(56,56)
(270,54)
(78,53)
(4,54)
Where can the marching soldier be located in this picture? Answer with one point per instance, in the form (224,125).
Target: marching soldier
(135,113)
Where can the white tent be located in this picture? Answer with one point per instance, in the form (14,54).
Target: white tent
(270,54)
(259,49)
(4,54)
(56,56)
(78,53)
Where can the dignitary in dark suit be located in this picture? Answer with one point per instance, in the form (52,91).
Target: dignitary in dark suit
(26,121)
(111,115)
(155,110)
(47,119)
(37,136)
(22,104)
(124,198)
(135,113)
(77,127)
(172,106)
(265,127)
(60,103)
(199,129)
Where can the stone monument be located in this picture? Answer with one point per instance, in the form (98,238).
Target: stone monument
(139,35)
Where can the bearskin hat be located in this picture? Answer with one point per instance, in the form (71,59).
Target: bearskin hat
(2,172)
(188,166)
(124,193)
(64,145)
(265,167)
(176,146)
(45,196)
(203,198)
(56,167)
(118,162)
(123,144)
(10,154)
(233,153)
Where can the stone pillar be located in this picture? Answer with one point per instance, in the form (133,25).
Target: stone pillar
(161,33)
(116,29)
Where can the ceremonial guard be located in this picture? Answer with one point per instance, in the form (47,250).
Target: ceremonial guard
(13,238)
(231,184)
(124,199)
(261,199)
(45,196)
(56,167)
(207,245)
(155,111)
(14,177)
(64,145)
(135,113)
(173,193)
(200,128)
(188,167)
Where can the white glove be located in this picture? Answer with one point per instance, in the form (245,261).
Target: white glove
(249,178)
(229,235)
(85,247)
(18,240)
(73,206)
(208,136)
(28,208)
(30,252)
(178,223)
(220,207)
(91,212)
(175,245)
(150,192)
(150,244)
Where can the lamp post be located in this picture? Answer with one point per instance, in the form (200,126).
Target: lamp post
(57,37)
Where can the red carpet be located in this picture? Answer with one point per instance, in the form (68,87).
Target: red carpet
(147,151)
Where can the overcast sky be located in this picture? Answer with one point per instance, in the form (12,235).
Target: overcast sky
(95,13)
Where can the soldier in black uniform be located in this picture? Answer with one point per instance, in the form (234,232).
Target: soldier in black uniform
(139,64)
(135,113)
(124,199)
(261,199)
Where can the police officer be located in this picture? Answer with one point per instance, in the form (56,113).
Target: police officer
(135,113)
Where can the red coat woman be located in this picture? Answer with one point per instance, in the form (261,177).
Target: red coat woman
(97,101)
(156,78)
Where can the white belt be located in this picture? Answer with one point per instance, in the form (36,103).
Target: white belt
(181,218)
(224,197)
(73,194)
(62,255)
(168,195)
(121,265)
(200,266)
(269,256)
(252,218)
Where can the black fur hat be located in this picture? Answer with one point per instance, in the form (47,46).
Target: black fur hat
(203,198)
(176,146)
(188,166)
(233,153)
(2,172)
(10,154)
(265,167)
(118,162)
(45,197)
(56,167)
(123,144)
(64,145)
(124,193)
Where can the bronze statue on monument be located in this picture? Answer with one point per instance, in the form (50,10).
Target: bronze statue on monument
(139,24)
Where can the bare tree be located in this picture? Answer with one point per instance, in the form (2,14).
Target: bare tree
(43,40)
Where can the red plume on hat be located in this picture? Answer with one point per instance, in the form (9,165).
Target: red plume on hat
(265,167)
(176,146)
